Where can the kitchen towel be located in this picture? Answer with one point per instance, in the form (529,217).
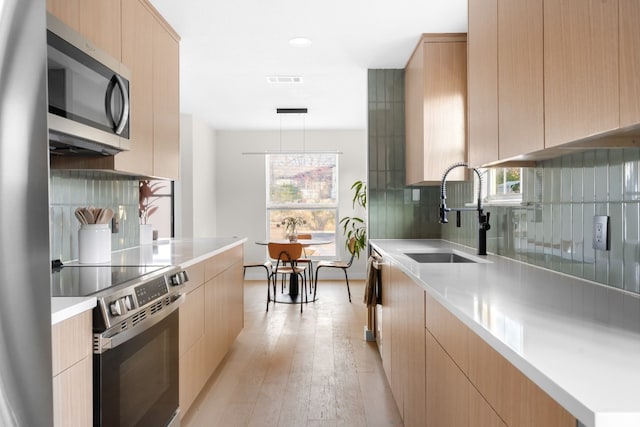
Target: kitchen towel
(370,296)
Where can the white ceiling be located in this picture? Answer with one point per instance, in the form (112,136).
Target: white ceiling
(229,47)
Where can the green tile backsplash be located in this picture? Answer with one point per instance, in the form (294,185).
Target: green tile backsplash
(72,189)
(394,212)
(553,227)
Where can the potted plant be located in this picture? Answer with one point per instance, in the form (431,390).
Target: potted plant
(147,207)
(353,226)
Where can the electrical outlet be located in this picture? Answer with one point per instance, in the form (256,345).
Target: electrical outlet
(601,232)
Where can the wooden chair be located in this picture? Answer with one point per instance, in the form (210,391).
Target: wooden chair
(286,256)
(336,264)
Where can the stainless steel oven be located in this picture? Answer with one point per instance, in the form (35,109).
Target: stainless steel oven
(135,341)
(136,381)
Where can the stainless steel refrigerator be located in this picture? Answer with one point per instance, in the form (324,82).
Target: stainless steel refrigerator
(25,292)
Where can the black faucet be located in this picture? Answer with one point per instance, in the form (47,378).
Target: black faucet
(483,218)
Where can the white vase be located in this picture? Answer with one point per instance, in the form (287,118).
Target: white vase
(146,234)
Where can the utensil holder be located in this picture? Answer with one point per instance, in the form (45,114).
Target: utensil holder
(94,243)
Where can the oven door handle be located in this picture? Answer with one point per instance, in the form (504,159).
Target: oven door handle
(102,343)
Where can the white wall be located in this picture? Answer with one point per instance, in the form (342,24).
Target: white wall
(241,192)
(196,198)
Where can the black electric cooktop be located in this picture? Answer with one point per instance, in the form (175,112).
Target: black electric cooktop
(81,280)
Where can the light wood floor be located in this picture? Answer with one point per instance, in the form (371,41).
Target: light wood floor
(293,369)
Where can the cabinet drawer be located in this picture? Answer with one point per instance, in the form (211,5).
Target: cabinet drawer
(73,391)
(71,341)
(196,276)
(191,320)
(214,266)
(517,399)
(450,332)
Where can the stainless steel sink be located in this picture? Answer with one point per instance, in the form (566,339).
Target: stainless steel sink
(438,257)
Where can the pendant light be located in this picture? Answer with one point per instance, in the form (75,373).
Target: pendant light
(303,111)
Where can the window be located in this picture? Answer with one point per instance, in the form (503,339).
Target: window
(304,185)
(162,198)
(501,185)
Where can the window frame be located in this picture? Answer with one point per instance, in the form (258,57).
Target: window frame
(297,206)
(489,196)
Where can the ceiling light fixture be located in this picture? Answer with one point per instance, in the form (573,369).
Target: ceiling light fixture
(300,41)
(304,136)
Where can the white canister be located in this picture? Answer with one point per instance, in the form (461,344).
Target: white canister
(94,243)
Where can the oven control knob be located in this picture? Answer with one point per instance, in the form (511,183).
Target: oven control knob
(120,306)
(179,278)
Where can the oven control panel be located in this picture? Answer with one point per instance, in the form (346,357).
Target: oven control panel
(138,298)
(150,291)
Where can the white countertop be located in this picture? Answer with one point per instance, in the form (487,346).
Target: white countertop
(179,252)
(577,340)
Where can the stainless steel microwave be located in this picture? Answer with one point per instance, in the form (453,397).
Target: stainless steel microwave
(88,95)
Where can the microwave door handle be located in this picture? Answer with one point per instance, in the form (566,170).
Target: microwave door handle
(124,115)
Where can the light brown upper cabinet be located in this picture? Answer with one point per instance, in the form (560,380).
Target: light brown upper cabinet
(435,108)
(97,20)
(137,54)
(520,77)
(482,42)
(166,103)
(149,47)
(580,69)
(151,51)
(629,63)
(548,75)
(506,116)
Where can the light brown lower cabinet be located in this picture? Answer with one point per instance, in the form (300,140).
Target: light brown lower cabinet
(447,396)
(407,347)
(481,414)
(71,342)
(517,400)
(210,320)
(462,381)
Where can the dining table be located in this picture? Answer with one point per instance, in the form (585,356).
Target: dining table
(293,278)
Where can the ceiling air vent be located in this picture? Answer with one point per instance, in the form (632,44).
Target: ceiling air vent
(279,80)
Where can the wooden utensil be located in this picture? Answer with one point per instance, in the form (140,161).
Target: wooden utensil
(88,215)
(105,216)
(80,215)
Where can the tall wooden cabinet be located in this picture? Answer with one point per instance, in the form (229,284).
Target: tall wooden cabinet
(435,108)
(136,34)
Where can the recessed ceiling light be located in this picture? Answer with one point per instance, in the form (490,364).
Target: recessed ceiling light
(300,41)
